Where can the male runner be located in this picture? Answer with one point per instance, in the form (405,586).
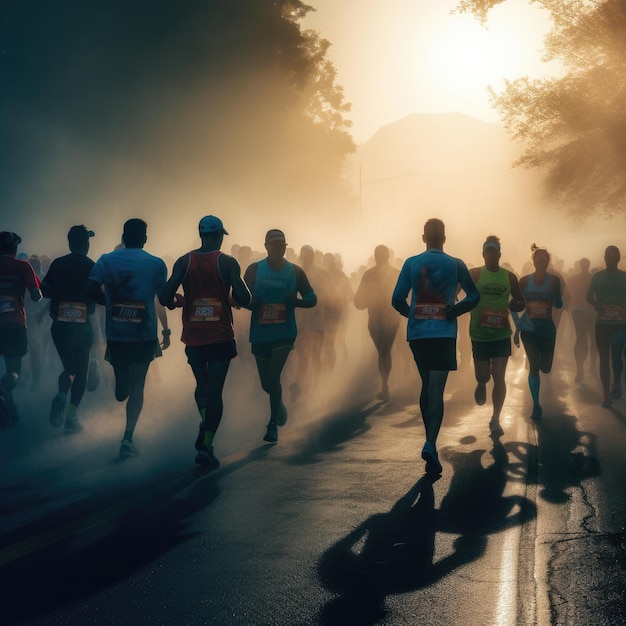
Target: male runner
(432,278)
(607,294)
(490,330)
(15,278)
(374,294)
(132,278)
(207,276)
(72,332)
(275,284)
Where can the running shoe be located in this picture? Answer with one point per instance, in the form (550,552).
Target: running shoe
(128,450)
(200,438)
(537,413)
(206,458)
(383,396)
(429,454)
(57,410)
(495,428)
(480,394)
(72,425)
(281,418)
(271,436)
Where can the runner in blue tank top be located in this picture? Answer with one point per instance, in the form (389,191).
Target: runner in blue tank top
(275,283)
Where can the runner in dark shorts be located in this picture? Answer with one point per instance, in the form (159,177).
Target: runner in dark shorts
(132,279)
(209,278)
(16,277)
(72,331)
(432,279)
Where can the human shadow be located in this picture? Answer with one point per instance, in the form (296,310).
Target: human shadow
(111,544)
(392,553)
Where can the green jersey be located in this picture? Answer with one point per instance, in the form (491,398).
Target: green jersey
(489,321)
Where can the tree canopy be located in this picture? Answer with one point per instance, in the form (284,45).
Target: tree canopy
(205,97)
(574,126)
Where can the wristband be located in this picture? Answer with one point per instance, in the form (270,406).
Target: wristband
(166,332)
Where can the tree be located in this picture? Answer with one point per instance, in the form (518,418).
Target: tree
(204,101)
(574,126)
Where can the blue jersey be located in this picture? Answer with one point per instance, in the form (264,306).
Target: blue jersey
(132,278)
(432,278)
(539,300)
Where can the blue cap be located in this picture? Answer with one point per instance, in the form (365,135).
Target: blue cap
(211,224)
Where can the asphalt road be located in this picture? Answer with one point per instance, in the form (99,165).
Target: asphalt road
(337,524)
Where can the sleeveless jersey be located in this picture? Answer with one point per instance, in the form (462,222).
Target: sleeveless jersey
(207,315)
(489,321)
(537,316)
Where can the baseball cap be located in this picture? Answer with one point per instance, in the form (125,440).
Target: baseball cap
(80,232)
(211,224)
(275,235)
(491,244)
(9,239)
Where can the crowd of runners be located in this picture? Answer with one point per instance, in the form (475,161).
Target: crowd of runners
(263,307)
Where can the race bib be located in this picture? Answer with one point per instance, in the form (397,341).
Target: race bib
(539,310)
(8,304)
(75,312)
(128,312)
(205,310)
(611,313)
(494,319)
(272,314)
(430,311)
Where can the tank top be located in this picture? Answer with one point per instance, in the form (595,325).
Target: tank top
(489,321)
(537,316)
(207,315)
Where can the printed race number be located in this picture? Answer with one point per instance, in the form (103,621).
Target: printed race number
(272,314)
(206,310)
(128,312)
(430,311)
(75,312)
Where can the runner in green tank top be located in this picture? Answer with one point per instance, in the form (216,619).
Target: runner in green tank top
(490,330)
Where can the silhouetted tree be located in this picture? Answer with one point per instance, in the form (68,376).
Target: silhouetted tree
(207,96)
(574,126)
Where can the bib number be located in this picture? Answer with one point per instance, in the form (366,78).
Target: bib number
(272,314)
(128,312)
(494,319)
(611,313)
(206,310)
(8,304)
(539,310)
(75,312)
(430,311)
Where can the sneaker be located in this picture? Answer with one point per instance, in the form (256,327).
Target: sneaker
(429,454)
(537,413)
(480,394)
(383,396)
(616,392)
(200,438)
(206,457)
(271,436)
(72,425)
(281,418)
(57,409)
(128,450)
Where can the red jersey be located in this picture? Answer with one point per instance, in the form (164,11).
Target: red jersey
(207,316)
(15,278)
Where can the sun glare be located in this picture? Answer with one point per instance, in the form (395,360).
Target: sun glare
(464,58)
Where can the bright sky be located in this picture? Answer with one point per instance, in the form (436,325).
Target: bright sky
(399,57)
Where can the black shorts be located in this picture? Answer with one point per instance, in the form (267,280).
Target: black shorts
(434,354)
(120,353)
(13,341)
(197,356)
(264,350)
(73,342)
(545,345)
(487,350)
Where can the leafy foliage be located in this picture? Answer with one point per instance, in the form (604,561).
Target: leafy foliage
(574,126)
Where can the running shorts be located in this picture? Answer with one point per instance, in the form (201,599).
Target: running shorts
(487,350)
(120,353)
(265,350)
(13,341)
(197,356)
(434,353)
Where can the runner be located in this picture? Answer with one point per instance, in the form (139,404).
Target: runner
(275,283)
(15,278)
(490,330)
(131,278)
(72,331)
(432,278)
(607,294)
(207,276)
(374,294)
(542,292)
(583,319)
